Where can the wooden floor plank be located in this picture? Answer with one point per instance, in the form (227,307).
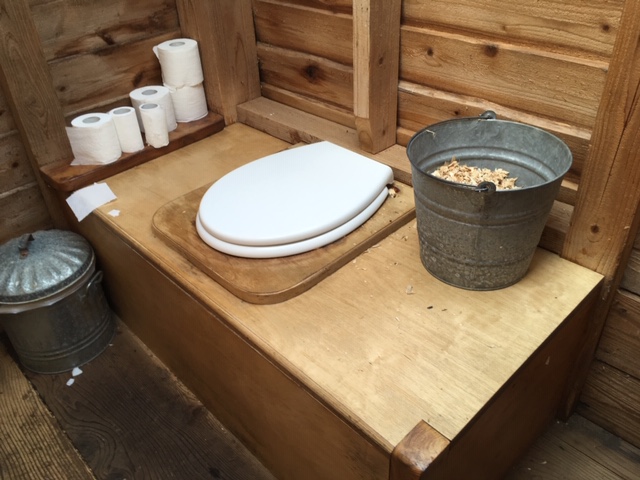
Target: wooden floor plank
(578,449)
(33,446)
(129,417)
(607,449)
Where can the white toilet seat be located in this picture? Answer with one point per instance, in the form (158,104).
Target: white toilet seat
(292,202)
(273,251)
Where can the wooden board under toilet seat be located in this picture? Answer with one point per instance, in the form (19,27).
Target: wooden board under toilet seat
(274,280)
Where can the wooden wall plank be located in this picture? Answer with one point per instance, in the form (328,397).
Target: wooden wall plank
(319,32)
(301,73)
(6,119)
(21,203)
(420,106)
(376,49)
(576,25)
(225,34)
(26,83)
(294,126)
(611,399)
(605,219)
(92,81)
(620,342)
(15,170)
(549,85)
(631,278)
(71,28)
(306,104)
(335,6)
(23,211)
(33,445)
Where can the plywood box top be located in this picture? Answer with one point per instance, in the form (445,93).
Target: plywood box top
(380,341)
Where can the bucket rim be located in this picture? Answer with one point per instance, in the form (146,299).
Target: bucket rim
(488,116)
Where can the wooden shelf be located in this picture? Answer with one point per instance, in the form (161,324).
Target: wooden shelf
(67,178)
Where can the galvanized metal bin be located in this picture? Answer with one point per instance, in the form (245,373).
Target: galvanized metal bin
(477,237)
(52,305)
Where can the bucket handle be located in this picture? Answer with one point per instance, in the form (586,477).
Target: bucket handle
(95,280)
(23,244)
(485,187)
(488,115)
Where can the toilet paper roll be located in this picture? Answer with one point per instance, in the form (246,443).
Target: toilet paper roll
(155,125)
(154,94)
(189,103)
(94,139)
(125,120)
(179,62)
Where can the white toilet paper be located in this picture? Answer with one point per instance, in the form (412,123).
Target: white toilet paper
(94,139)
(154,94)
(179,62)
(155,125)
(128,128)
(182,75)
(189,103)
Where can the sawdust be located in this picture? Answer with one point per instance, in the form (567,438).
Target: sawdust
(469,175)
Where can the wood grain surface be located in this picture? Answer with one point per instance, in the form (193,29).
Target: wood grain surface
(226,38)
(66,178)
(578,449)
(26,81)
(274,280)
(573,26)
(129,417)
(605,222)
(33,445)
(381,356)
(375,72)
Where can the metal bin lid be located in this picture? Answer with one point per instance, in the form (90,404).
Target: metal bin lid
(41,264)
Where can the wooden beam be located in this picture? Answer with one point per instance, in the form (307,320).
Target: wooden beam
(26,82)
(376,56)
(605,218)
(225,34)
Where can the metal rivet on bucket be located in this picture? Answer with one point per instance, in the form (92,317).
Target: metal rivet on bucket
(477,237)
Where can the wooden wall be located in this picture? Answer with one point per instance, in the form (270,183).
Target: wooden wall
(611,397)
(22,207)
(97,52)
(305,50)
(540,62)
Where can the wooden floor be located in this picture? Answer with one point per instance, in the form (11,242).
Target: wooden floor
(127,417)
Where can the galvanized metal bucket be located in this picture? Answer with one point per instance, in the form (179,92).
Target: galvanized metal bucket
(52,305)
(477,237)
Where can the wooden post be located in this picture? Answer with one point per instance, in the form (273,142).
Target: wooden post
(225,34)
(376,54)
(605,218)
(26,81)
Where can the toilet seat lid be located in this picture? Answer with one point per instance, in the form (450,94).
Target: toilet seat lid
(292,195)
(294,248)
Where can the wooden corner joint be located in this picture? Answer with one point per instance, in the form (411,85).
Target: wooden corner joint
(412,457)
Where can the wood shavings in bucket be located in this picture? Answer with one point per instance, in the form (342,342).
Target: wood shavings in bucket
(469,175)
